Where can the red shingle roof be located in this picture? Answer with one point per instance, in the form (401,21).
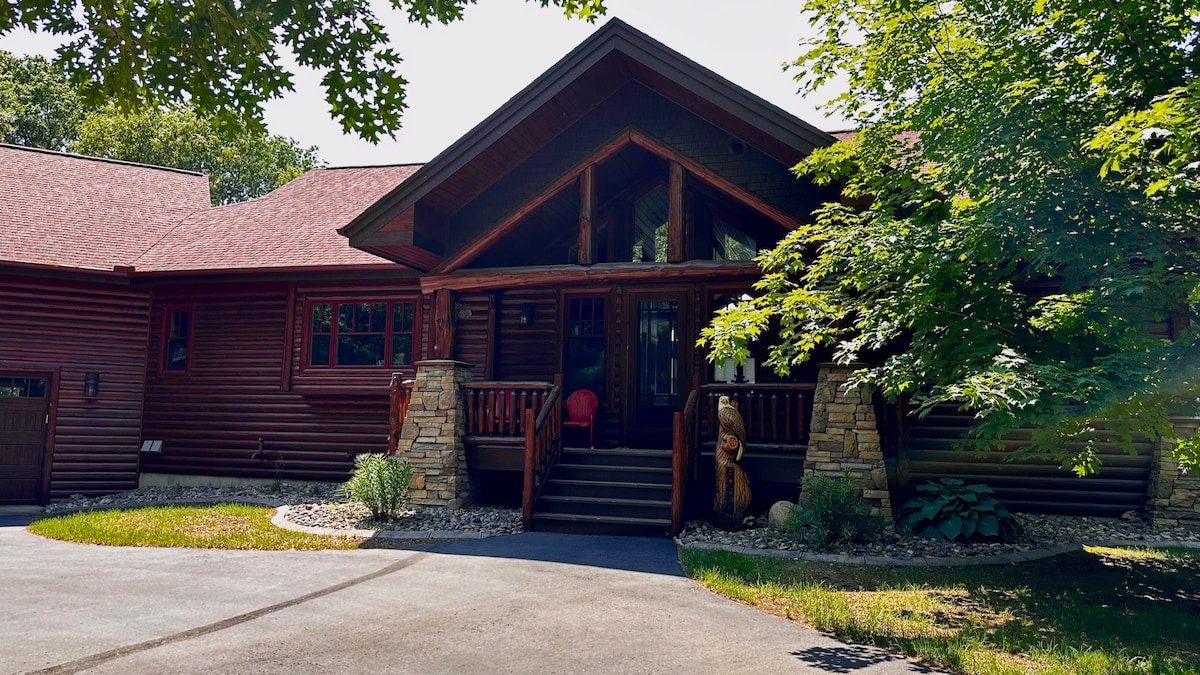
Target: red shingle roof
(73,211)
(294,226)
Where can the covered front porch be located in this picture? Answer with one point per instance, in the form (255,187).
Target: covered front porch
(509,445)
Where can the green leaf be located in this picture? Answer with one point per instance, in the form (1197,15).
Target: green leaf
(951,527)
(989,526)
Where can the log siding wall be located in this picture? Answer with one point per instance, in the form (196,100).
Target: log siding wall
(73,329)
(311,424)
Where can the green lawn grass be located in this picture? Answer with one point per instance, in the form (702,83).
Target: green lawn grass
(1100,611)
(229,526)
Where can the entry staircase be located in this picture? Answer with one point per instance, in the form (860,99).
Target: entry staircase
(607,491)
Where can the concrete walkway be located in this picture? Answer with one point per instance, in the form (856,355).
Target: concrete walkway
(528,603)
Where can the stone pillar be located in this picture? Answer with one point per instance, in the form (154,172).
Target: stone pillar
(431,438)
(1173,498)
(844,438)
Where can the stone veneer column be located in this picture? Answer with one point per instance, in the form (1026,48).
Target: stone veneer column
(1173,497)
(844,439)
(431,438)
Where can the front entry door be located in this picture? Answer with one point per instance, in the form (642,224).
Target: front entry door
(657,370)
(23,407)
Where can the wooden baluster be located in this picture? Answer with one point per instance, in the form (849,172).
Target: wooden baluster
(801,426)
(760,404)
(470,411)
(787,417)
(506,426)
(490,414)
(774,417)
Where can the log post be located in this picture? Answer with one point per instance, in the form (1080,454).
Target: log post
(443,323)
(676,236)
(587,209)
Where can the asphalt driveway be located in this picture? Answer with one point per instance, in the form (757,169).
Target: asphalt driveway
(528,603)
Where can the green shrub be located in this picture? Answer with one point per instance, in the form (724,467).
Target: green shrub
(950,510)
(380,483)
(830,512)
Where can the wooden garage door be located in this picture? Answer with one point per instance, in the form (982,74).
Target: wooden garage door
(23,408)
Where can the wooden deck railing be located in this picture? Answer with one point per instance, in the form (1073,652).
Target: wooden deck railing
(496,410)
(685,445)
(400,391)
(776,415)
(543,443)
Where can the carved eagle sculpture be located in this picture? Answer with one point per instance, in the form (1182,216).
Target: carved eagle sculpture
(731,423)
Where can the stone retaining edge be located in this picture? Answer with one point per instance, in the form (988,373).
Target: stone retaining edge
(279,520)
(1000,559)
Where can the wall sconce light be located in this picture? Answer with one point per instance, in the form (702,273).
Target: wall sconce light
(527,314)
(91,385)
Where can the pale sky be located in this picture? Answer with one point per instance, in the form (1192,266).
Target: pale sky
(459,74)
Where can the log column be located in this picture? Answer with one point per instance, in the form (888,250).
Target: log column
(587,209)
(676,227)
(443,323)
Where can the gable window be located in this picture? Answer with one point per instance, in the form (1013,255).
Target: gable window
(730,243)
(177,338)
(650,226)
(378,333)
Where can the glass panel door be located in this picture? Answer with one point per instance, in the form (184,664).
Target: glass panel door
(657,368)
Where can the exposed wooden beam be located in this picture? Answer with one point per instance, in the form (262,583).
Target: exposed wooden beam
(716,180)
(676,250)
(553,275)
(587,207)
(482,242)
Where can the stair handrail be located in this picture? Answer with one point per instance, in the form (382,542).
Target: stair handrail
(685,442)
(543,444)
(399,393)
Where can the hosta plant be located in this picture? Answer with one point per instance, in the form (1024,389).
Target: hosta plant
(948,509)
(380,483)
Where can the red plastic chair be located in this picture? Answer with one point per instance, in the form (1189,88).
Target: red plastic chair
(581,412)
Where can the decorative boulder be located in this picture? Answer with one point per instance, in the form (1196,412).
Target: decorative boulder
(779,514)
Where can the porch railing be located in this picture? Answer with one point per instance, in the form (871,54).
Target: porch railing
(400,391)
(684,448)
(496,410)
(776,415)
(543,443)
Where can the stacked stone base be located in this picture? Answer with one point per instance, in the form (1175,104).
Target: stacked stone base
(1174,496)
(844,438)
(431,437)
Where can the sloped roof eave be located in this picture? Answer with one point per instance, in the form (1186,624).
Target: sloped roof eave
(615,35)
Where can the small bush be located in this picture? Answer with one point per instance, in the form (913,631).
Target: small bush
(830,512)
(950,510)
(380,483)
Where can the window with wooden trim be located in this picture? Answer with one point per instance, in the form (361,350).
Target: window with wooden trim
(177,339)
(584,362)
(361,334)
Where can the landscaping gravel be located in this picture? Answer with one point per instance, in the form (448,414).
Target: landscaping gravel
(318,505)
(314,505)
(1040,532)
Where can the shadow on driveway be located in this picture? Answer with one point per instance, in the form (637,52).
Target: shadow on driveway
(634,554)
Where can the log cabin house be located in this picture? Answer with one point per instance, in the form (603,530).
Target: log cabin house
(577,238)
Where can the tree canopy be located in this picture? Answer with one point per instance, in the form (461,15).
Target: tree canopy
(243,166)
(227,59)
(1018,233)
(40,108)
